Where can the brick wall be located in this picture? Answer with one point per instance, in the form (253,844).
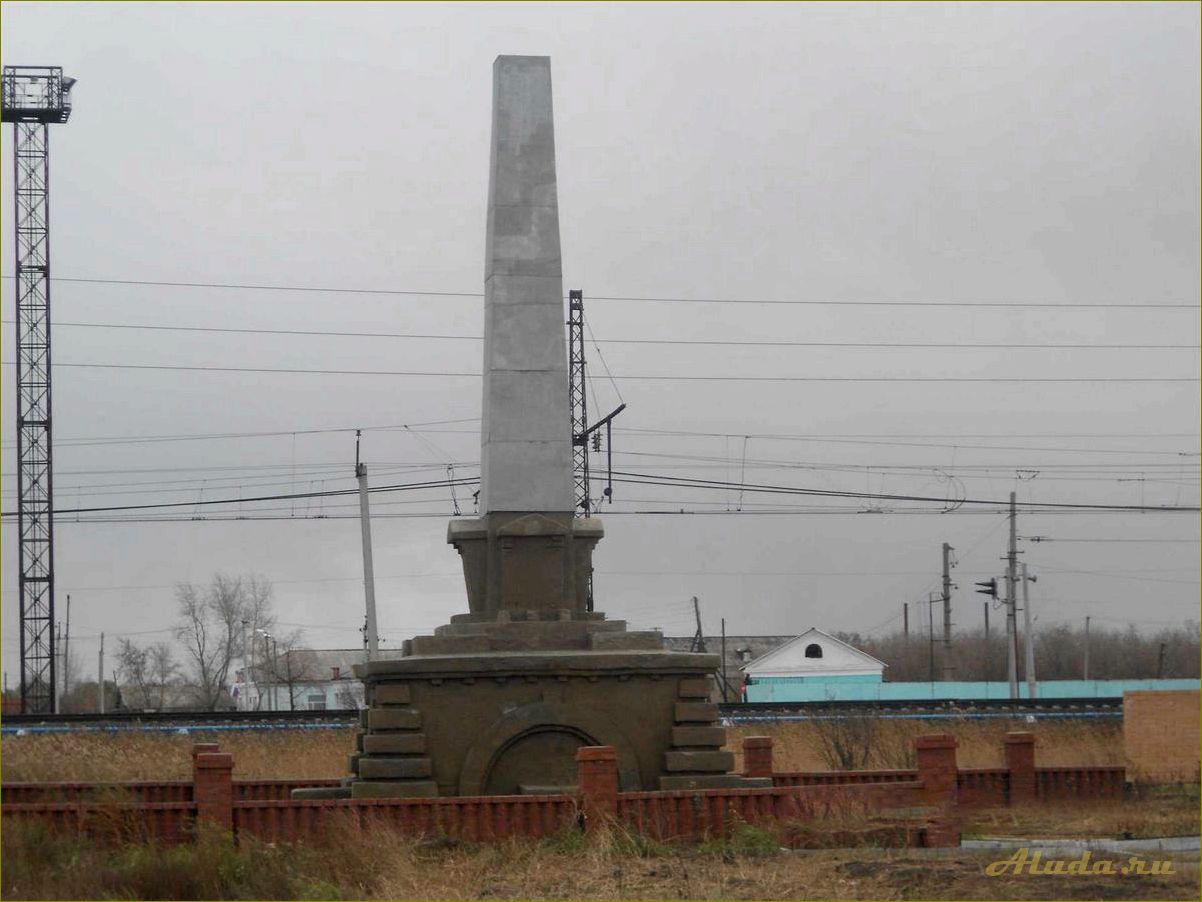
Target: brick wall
(918,807)
(1160,736)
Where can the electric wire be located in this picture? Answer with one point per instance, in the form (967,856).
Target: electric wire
(640,377)
(702,342)
(681,300)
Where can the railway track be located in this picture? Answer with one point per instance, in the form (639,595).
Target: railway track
(734,713)
(943,709)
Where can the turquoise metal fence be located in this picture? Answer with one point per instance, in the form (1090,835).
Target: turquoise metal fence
(812,689)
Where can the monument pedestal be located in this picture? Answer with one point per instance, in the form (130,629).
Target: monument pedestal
(521,561)
(509,722)
(498,701)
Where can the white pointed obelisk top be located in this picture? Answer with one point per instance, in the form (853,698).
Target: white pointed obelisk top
(526,450)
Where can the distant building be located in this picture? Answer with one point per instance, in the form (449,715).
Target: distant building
(305,679)
(814,658)
(740,650)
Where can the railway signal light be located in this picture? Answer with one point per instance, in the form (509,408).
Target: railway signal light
(988,587)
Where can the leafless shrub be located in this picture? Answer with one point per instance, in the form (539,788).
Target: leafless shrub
(844,743)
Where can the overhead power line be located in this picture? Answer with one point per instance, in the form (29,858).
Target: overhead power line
(329,493)
(637,378)
(883,438)
(206,436)
(228,286)
(443,514)
(645,479)
(689,482)
(756,343)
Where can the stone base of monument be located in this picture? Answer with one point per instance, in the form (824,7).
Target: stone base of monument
(500,708)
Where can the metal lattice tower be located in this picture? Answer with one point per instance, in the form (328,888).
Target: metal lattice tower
(579,401)
(34,97)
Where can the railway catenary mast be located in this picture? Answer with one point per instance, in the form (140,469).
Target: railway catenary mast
(582,432)
(33,99)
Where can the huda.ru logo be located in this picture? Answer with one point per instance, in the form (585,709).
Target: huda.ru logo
(1024,861)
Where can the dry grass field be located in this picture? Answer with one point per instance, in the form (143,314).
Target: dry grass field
(280,754)
(1167,813)
(87,757)
(380,864)
(608,865)
(800,746)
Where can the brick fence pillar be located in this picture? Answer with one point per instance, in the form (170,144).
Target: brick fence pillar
(202,748)
(213,788)
(937,769)
(598,768)
(757,756)
(938,773)
(1019,748)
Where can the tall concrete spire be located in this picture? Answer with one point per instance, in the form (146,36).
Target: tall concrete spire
(526,449)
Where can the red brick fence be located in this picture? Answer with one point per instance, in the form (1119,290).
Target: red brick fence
(922,802)
(1018,781)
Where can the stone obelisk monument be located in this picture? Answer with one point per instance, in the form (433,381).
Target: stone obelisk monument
(498,700)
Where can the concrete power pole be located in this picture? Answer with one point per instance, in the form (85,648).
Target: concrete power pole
(369,577)
(67,651)
(698,643)
(948,668)
(244,698)
(1085,668)
(100,677)
(1029,663)
(726,697)
(906,619)
(1012,599)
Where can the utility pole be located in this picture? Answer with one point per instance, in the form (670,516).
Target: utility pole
(58,650)
(100,678)
(948,668)
(1012,599)
(931,638)
(726,698)
(67,650)
(254,636)
(244,700)
(986,621)
(698,643)
(1029,664)
(268,670)
(906,619)
(369,578)
(1085,668)
(1160,661)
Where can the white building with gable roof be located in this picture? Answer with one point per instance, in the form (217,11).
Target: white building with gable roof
(799,668)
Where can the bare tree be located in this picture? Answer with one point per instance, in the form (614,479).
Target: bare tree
(132,669)
(1115,653)
(84,698)
(214,626)
(291,666)
(844,742)
(69,668)
(164,672)
(149,673)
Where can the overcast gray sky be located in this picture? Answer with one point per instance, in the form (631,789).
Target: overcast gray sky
(1015,154)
